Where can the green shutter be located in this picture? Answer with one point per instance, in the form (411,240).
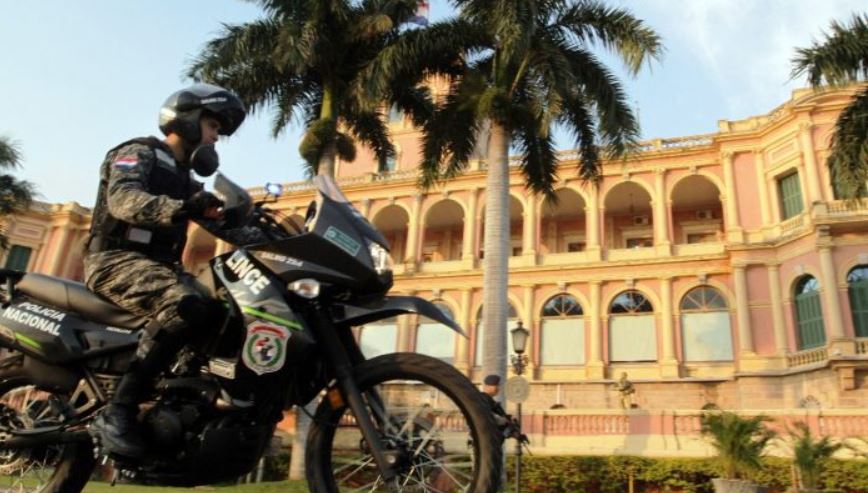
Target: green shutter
(809,316)
(859,307)
(19,257)
(791,196)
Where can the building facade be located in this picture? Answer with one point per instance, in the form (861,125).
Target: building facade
(717,269)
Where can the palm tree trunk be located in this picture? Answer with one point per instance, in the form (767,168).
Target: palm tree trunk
(497,252)
(326,165)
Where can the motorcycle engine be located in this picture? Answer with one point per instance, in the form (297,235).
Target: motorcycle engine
(198,441)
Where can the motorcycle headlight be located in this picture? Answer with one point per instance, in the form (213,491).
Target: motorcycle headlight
(380,256)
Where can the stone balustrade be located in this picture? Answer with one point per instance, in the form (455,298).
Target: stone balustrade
(807,357)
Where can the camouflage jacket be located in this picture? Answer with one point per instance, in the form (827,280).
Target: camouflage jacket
(142,190)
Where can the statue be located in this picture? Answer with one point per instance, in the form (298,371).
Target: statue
(625,387)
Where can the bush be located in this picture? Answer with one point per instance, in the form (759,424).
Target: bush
(591,474)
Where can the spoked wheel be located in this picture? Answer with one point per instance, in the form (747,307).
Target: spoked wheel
(53,468)
(433,425)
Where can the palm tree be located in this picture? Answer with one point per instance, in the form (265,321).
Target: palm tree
(521,68)
(15,195)
(304,59)
(740,442)
(840,59)
(809,454)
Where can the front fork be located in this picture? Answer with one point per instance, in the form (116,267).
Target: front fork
(338,356)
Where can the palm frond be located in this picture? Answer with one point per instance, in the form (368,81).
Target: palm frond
(369,128)
(840,58)
(449,137)
(10,155)
(618,126)
(848,160)
(539,161)
(616,29)
(577,118)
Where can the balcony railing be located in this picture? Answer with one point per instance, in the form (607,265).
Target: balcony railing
(688,249)
(862,345)
(839,207)
(792,225)
(807,357)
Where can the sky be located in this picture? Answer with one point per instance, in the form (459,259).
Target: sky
(77,78)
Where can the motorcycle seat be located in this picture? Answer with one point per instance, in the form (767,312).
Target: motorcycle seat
(74,296)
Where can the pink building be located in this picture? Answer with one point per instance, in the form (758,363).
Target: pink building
(712,269)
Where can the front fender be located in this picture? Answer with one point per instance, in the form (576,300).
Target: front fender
(390,306)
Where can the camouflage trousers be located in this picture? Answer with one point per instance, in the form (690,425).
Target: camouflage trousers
(140,285)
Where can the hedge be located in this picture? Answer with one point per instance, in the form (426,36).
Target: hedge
(592,474)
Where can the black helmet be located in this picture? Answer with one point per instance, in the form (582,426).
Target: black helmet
(182,111)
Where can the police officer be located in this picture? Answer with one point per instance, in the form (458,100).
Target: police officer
(146,198)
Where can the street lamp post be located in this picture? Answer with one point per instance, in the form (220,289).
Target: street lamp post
(519,362)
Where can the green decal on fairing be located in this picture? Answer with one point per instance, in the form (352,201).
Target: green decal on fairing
(271,318)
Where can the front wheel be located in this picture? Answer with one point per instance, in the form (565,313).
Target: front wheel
(433,424)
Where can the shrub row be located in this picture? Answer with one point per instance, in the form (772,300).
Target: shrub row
(591,474)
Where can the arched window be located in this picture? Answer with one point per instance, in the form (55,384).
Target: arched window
(511,323)
(857,288)
(562,340)
(632,336)
(380,337)
(435,339)
(705,325)
(809,313)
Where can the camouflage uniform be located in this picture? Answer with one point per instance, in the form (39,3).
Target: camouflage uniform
(146,279)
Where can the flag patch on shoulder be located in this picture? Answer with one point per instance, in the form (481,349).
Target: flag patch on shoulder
(126,162)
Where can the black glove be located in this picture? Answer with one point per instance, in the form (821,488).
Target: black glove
(195,206)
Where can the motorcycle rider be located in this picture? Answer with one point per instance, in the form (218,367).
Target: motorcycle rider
(146,198)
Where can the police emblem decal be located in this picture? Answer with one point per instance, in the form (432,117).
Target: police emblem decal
(265,347)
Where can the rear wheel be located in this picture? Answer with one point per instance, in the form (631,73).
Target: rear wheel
(433,425)
(61,468)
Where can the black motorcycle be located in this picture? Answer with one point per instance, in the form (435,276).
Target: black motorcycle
(397,422)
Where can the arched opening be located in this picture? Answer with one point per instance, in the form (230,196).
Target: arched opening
(435,339)
(629,222)
(809,313)
(392,221)
(516,224)
(697,213)
(562,331)
(857,289)
(705,325)
(444,232)
(562,226)
(632,335)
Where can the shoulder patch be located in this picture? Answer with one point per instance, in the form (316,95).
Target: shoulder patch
(164,157)
(126,161)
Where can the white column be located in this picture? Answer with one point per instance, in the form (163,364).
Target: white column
(592,219)
(732,221)
(55,267)
(669,362)
(528,224)
(777,309)
(742,310)
(762,186)
(812,171)
(462,360)
(593,317)
(415,231)
(468,247)
(661,229)
(832,313)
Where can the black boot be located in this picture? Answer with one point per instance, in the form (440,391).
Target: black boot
(117,427)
